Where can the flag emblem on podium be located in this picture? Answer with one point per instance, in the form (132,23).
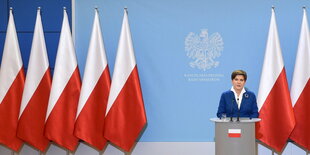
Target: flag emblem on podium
(234,133)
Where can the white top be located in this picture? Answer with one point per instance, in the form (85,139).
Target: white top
(238,98)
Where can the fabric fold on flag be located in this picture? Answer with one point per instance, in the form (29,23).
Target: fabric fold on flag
(12,79)
(275,108)
(125,115)
(300,89)
(93,100)
(36,92)
(65,91)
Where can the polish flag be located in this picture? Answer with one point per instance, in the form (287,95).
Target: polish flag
(125,115)
(36,92)
(274,103)
(300,90)
(65,91)
(93,100)
(234,133)
(12,79)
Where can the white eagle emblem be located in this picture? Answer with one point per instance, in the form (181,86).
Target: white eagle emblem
(204,49)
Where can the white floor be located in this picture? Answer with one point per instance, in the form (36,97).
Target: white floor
(150,148)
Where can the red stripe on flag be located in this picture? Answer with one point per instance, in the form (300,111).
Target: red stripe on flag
(277,115)
(60,123)
(32,121)
(234,135)
(126,118)
(301,134)
(90,123)
(9,112)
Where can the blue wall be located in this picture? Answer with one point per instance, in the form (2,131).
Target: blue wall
(178,109)
(25,15)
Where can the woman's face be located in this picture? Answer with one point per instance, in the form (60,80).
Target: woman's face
(238,82)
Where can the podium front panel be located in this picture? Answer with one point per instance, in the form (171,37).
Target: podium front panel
(235,138)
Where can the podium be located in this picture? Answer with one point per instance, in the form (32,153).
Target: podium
(235,138)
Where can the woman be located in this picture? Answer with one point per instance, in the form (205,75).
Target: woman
(238,101)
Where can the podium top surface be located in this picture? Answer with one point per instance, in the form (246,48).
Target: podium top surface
(242,120)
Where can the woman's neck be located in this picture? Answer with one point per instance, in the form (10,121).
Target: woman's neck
(238,92)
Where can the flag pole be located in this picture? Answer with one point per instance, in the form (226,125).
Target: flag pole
(126,9)
(11,9)
(40,152)
(14,153)
(69,152)
(96,9)
(101,152)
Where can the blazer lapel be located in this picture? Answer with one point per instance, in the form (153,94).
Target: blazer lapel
(244,100)
(234,102)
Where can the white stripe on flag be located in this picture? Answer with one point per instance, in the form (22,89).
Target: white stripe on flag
(301,73)
(38,64)
(11,55)
(273,63)
(65,64)
(125,59)
(234,130)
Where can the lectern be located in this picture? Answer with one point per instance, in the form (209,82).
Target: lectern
(235,138)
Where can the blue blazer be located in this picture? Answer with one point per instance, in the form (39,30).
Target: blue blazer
(228,105)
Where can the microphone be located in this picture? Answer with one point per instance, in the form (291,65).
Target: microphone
(231,109)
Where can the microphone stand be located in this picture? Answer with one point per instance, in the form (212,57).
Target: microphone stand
(238,114)
(231,110)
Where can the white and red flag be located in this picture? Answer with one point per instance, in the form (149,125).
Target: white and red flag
(93,100)
(65,92)
(12,79)
(300,90)
(274,103)
(36,92)
(125,115)
(234,133)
